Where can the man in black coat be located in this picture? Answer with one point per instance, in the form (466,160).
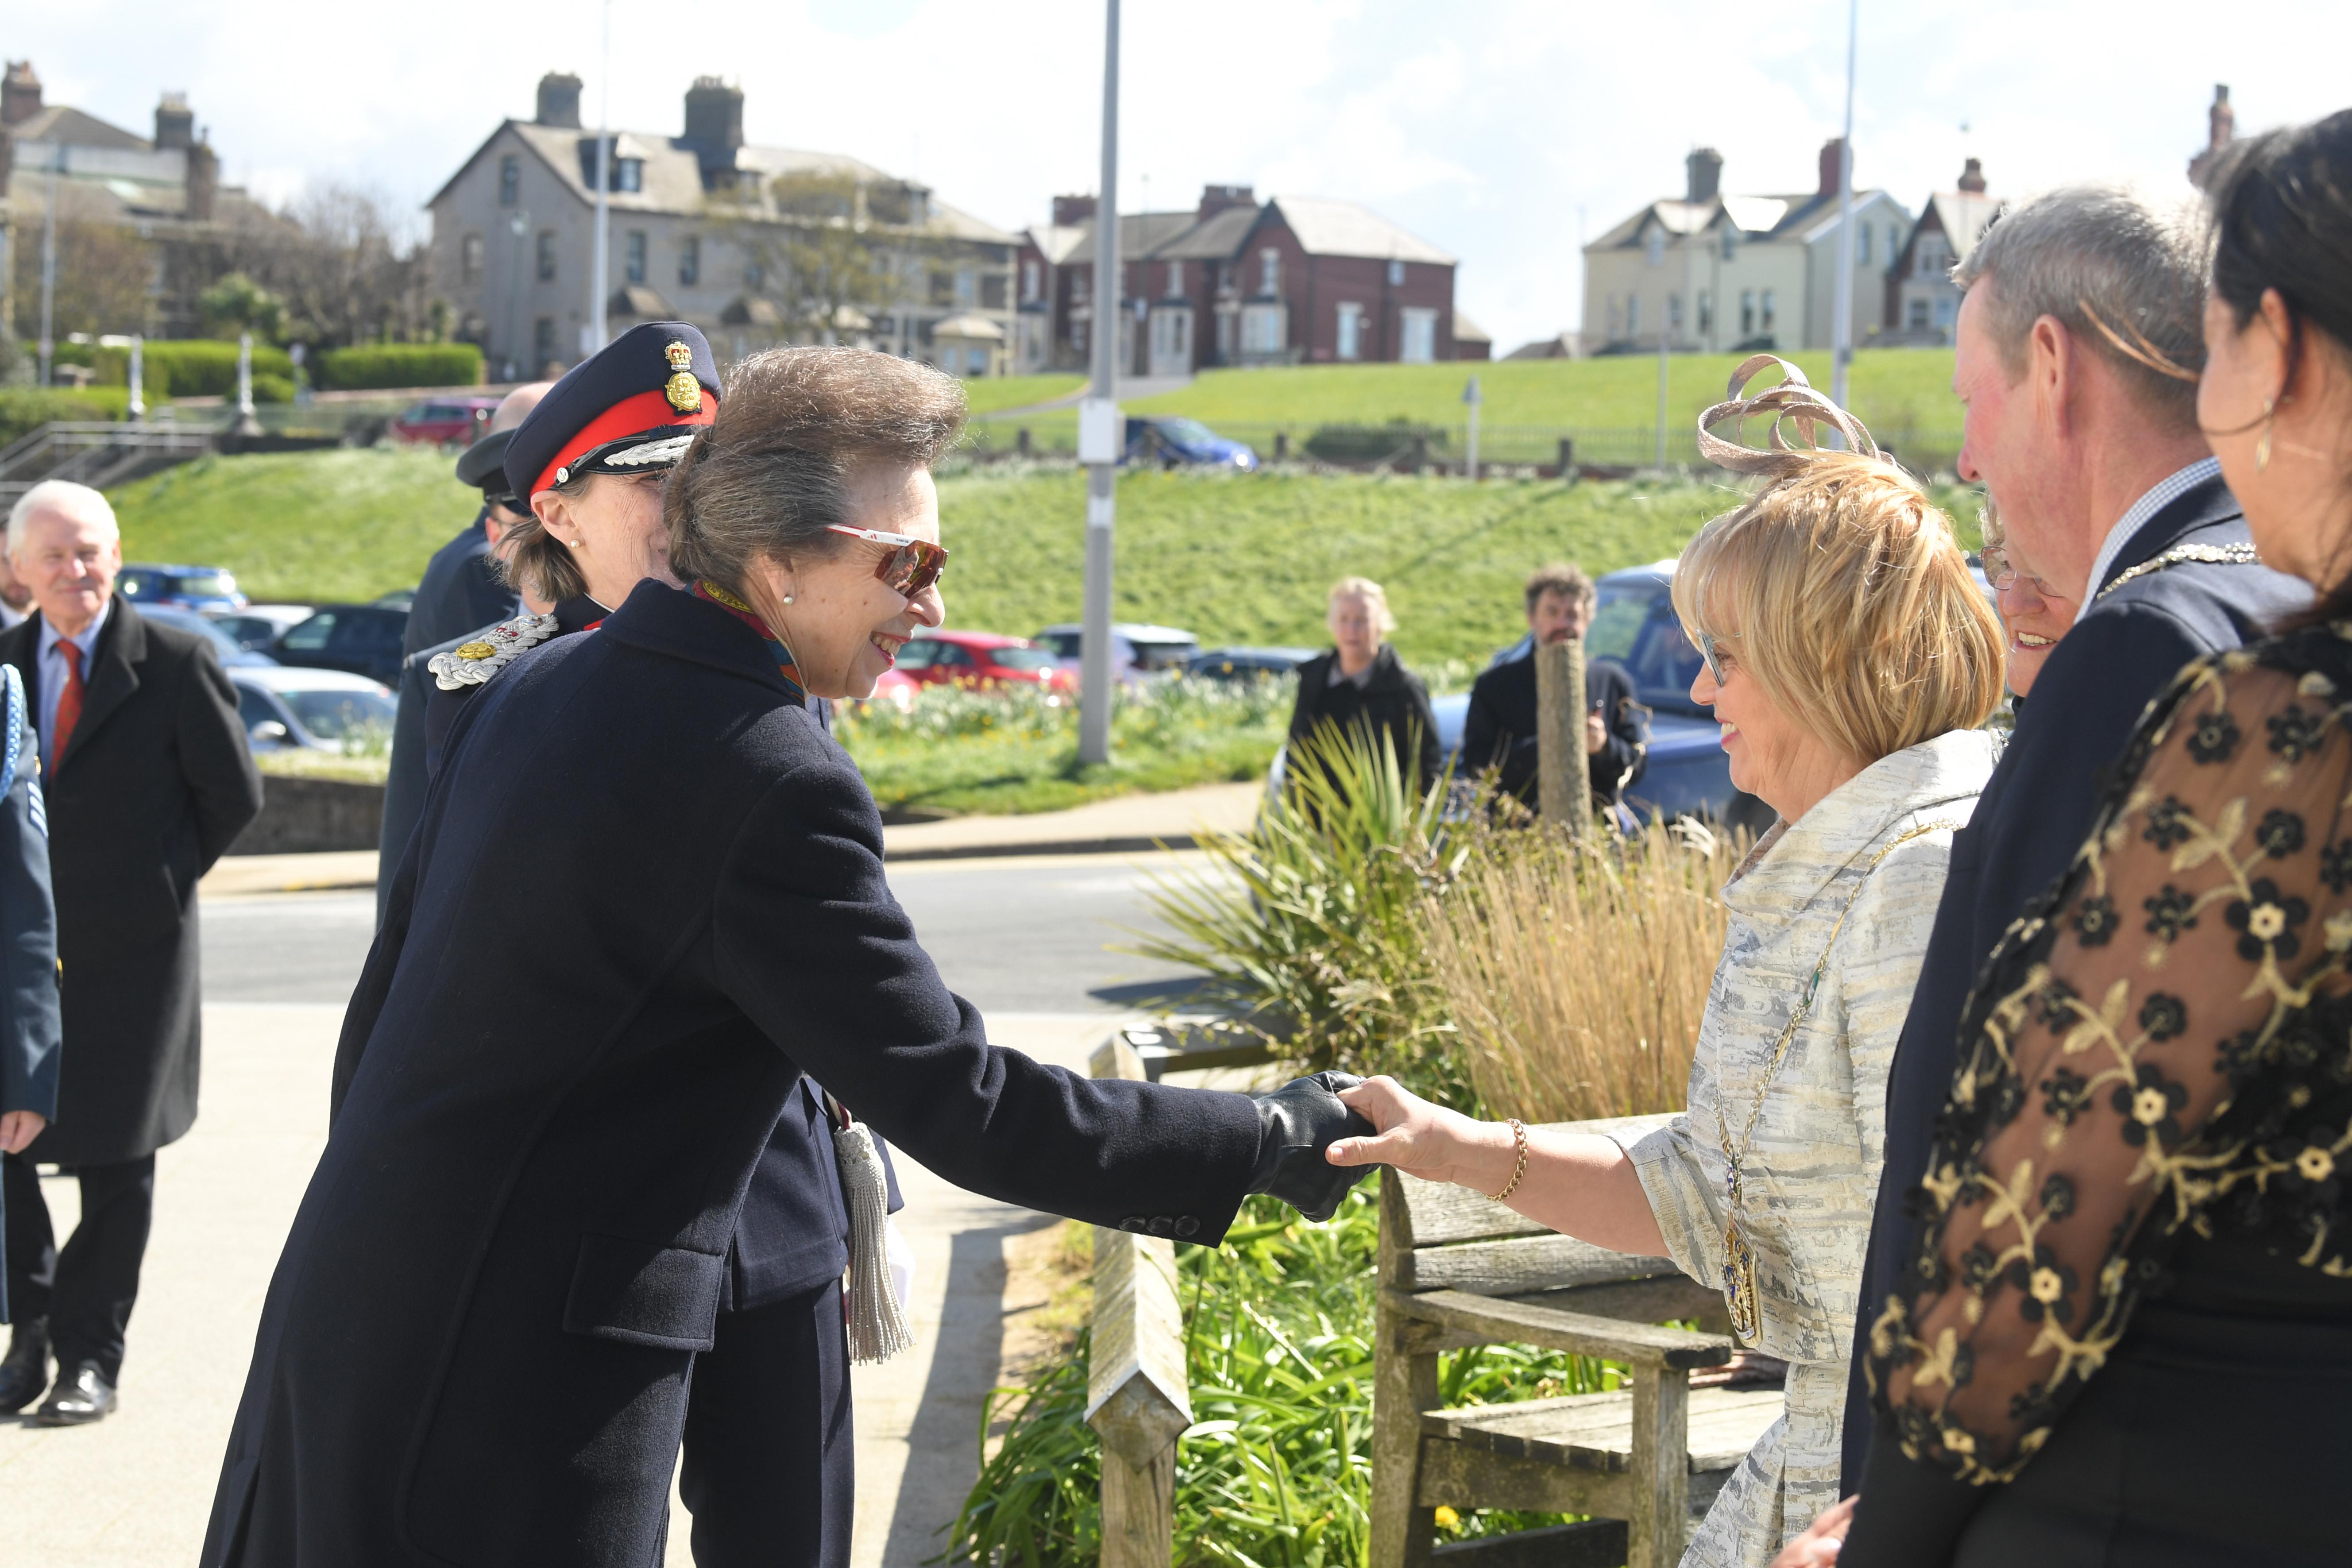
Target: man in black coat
(2105,485)
(567,1051)
(148,781)
(462,588)
(1500,730)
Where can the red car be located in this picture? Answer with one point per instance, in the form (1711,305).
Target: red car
(446,420)
(983,658)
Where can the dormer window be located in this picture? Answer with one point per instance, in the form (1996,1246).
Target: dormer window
(1175,279)
(628,174)
(1269,270)
(1731,242)
(1653,244)
(1396,274)
(509,180)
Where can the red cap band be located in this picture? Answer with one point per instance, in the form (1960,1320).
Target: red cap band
(644,413)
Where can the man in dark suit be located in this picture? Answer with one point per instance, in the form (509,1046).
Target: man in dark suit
(1500,730)
(462,588)
(148,781)
(2077,340)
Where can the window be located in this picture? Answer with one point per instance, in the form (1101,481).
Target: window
(1175,280)
(1396,274)
(1613,315)
(310,636)
(634,267)
(546,247)
(1078,338)
(978,358)
(1028,282)
(1705,314)
(1270,271)
(1731,242)
(543,341)
(1351,331)
(1675,312)
(993,287)
(1081,288)
(1419,337)
(1764,322)
(1918,316)
(1862,245)
(1633,314)
(689,260)
(509,180)
(1893,244)
(471,258)
(967,286)
(1945,309)
(1266,329)
(1747,313)
(628,174)
(1654,245)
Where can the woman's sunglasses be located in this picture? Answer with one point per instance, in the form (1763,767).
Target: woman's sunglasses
(907,567)
(1706,651)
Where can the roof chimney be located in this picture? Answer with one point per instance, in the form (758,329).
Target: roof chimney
(714,113)
(1973,177)
(203,181)
(20,94)
(1705,169)
(1832,162)
(2221,129)
(1071,211)
(1215,199)
(559,101)
(176,122)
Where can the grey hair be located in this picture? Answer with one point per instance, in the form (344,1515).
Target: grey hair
(62,495)
(2122,271)
(795,427)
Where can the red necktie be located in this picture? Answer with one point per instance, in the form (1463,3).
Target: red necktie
(69,702)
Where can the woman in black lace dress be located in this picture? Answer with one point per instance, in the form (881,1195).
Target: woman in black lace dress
(2128,1340)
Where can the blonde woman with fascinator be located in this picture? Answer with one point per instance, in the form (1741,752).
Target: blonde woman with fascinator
(1850,658)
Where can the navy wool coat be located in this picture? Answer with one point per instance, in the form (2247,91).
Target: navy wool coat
(2034,817)
(29,1027)
(582,1019)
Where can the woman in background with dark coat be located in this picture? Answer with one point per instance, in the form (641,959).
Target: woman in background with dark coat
(1361,687)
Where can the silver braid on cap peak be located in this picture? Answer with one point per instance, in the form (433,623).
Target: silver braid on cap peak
(1793,401)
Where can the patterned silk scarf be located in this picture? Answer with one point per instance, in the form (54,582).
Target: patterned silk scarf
(712,592)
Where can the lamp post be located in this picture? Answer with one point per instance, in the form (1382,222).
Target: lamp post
(49,260)
(1100,431)
(138,379)
(600,271)
(1841,329)
(519,227)
(1473,397)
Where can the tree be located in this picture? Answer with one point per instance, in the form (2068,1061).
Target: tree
(237,304)
(104,275)
(345,268)
(830,250)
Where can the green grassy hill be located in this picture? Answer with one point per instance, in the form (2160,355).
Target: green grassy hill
(1234,557)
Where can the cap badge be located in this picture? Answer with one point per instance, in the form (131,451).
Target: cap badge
(685,393)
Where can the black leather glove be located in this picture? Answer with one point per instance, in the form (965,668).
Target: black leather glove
(1295,1123)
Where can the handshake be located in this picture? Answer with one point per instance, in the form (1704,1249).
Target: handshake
(1296,1124)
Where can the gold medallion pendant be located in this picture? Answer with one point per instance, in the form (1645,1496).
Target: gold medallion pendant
(1739,1283)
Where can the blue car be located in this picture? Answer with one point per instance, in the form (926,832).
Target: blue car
(1174,442)
(190,588)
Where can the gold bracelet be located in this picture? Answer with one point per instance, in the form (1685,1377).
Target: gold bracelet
(1519,1136)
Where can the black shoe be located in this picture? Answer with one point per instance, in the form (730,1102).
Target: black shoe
(80,1398)
(25,1370)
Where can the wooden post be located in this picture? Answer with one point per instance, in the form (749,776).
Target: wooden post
(1660,1489)
(1405,1384)
(1137,1398)
(1566,791)
(1568,458)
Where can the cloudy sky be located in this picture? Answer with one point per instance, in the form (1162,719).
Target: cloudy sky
(1502,131)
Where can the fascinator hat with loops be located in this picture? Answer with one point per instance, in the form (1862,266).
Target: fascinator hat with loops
(1794,401)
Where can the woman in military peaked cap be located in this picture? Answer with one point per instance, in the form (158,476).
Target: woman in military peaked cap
(584,1013)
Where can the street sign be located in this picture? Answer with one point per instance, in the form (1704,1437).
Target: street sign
(1099,431)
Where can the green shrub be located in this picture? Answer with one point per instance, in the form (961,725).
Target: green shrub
(25,409)
(1276,1469)
(1386,443)
(189,367)
(272,389)
(372,366)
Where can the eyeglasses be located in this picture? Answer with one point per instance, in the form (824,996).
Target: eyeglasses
(908,565)
(2002,572)
(1706,651)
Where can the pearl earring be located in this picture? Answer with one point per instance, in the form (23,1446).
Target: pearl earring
(788,598)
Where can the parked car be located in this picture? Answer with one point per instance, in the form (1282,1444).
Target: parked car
(1136,649)
(442,420)
(361,639)
(315,710)
(225,646)
(191,588)
(257,626)
(1246,663)
(983,658)
(1174,442)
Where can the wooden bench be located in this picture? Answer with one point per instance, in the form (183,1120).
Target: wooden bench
(1457,1270)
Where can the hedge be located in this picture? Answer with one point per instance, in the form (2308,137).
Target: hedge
(24,409)
(398,364)
(189,367)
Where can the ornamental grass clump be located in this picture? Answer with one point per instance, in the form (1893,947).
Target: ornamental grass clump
(1575,973)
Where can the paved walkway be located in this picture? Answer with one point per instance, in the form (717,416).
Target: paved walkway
(1127,823)
(135,1491)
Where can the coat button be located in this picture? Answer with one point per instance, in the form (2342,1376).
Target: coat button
(1135,1223)
(1163,1225)
(1186,1225)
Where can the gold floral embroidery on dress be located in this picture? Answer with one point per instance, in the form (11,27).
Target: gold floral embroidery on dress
(2158,1049)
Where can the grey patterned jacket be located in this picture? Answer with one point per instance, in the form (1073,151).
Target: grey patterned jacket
(1810,1173)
